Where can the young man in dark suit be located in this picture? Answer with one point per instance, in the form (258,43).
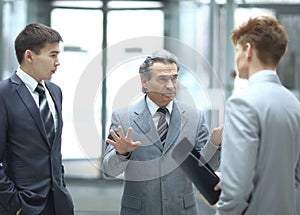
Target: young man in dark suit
(31,171)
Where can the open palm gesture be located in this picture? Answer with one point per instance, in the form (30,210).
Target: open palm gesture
(122,143)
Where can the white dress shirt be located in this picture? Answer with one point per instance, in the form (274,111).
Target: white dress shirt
(153,111)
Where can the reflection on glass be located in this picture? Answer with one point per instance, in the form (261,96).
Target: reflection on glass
(82,35)
(124,76)
(128,24)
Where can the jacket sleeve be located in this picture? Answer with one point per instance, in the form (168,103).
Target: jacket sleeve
(239,152)
(9,201)
(207,149)
(298,173)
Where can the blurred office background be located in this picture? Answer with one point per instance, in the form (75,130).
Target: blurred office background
(104,44)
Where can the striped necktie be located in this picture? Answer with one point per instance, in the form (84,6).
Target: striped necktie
(45,113)
(162,126)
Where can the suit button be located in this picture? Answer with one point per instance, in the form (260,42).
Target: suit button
(163,178)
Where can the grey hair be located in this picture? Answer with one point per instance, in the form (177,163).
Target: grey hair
(161,56)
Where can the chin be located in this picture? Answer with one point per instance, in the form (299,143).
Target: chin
(48,78)
(169,99)
(243,75)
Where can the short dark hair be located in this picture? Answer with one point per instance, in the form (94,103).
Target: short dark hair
(34,37)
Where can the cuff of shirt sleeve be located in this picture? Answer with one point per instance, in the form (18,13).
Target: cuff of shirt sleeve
(123,157)
(215,146)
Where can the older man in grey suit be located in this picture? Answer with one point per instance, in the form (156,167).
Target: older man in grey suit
(153,182)
(260,166)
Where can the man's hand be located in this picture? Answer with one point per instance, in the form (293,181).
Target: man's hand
(216,135)
(19,211)
(217,187)
(123,144)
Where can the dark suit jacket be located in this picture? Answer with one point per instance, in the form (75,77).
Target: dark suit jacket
(29,166)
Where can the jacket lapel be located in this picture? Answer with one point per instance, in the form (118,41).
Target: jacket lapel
(30,104)
(143,120)
(177,122)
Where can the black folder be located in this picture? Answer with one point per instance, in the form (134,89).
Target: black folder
(198,170)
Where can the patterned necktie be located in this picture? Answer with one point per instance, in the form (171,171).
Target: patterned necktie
(45,113)
(162,126)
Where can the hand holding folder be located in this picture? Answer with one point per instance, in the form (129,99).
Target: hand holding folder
(199,172)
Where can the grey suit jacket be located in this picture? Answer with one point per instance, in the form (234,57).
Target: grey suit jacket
(260,166)
(153,182)
(30,166)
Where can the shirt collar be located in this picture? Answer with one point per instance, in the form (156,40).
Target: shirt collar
(153,107)
(29,81)
(260,74)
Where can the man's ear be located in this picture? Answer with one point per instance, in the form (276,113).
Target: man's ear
(28,56)
(144,82)
(249,50)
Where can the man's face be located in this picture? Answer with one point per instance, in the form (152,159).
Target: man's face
(162,85)
(242,63)
(45,63)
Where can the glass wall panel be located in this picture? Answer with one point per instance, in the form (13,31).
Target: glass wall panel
(126,51)
(81,30)
(128,24)
(288,68)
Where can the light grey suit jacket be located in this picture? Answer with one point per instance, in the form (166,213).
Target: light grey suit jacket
(153,182)
(260,167)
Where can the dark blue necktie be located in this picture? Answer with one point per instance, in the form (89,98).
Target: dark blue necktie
(45,113)
(162,126)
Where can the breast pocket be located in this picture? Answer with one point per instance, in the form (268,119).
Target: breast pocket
(131,205)
(189,200)
(23,176)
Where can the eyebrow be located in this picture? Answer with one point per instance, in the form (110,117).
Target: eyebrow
(168,75)
(54,52)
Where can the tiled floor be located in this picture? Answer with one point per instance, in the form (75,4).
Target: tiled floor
(102,197)
(95,196)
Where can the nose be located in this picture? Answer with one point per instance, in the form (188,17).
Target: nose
(170,84)
(57,63)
